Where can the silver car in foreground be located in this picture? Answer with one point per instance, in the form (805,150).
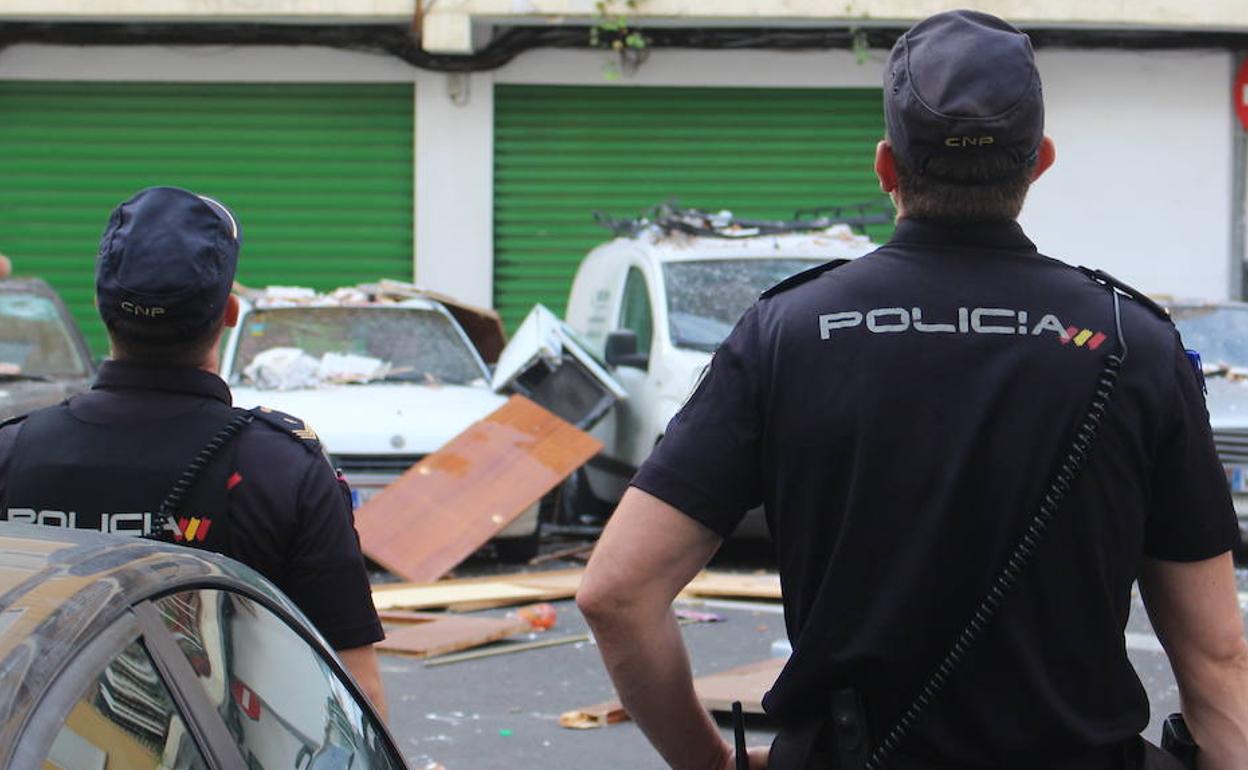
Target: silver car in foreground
(117,652)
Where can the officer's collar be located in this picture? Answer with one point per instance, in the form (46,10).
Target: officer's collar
(1006,236)
(175,379)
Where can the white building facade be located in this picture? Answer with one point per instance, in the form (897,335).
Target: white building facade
(475,173)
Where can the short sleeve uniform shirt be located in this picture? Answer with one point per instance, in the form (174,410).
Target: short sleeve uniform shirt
(899,418)
(290,514)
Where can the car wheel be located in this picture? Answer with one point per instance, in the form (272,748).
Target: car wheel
(517,550)
(575,504)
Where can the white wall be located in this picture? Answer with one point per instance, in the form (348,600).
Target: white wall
(1143,179)
(1142,187)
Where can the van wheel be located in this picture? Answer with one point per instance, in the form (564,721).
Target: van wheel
(575,504)
(517,550)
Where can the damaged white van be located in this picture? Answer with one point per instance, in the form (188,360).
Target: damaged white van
(655,303)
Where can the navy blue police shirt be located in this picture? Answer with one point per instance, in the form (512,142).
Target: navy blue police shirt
(289,513)
(899,418)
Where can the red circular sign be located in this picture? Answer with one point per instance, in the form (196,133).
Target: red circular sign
(1241,94)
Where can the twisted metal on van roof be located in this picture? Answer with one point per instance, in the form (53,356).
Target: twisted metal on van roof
(671,217)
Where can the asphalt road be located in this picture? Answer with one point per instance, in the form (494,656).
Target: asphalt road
(500,713)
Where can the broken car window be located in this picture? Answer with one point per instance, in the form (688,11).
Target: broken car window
(705,299)
(33,339)
(1218,333)
(353,344)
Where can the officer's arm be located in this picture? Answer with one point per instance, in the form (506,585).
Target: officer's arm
(1195,611)
(362,663)
(647,554)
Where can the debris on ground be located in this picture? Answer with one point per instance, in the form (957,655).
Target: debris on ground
(428,634)
(469,594)
(716,692)
(538,617)
(480,593)
(452,502)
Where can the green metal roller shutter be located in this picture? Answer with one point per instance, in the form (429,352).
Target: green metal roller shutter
(320,176)
(563,152)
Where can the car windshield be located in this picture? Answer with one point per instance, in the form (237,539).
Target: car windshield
(706,298)
(34,339)
(307,346)
(1217,332)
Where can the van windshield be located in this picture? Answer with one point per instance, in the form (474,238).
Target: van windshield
(705,299)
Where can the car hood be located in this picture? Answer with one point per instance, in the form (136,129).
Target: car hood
(22,396)
(380,418)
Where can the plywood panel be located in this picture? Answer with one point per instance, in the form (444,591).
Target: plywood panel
(471,594)
(716,692)
(441,634)
(453,501)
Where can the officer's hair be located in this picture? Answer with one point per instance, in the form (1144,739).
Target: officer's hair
(135,341)
(957,191)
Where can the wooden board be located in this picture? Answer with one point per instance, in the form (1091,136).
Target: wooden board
(442,634)
(598,715)
(716,692)
(471,594)
(453,501)
(748,684)
(732,585)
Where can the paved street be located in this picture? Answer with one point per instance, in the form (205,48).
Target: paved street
(501,713)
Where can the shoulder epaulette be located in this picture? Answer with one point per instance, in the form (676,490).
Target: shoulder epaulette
(802,277)
(1104,278)
(290,425)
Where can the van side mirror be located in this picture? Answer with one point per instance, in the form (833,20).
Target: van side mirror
(621,350)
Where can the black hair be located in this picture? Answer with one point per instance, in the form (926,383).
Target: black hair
(954,190)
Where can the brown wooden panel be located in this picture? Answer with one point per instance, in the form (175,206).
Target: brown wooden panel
(453,501)
(716,692)
(441,634)
(748,684)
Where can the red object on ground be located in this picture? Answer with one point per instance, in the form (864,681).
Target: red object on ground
(246,699)
(540,617)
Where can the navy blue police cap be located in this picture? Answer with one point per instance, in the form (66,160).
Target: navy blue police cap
(961,84)
(167,262)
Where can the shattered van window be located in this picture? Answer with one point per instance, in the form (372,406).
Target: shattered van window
(705,299)
(1218,333)
(413,344)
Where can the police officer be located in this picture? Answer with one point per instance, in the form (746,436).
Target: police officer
(905,419)
(256,486)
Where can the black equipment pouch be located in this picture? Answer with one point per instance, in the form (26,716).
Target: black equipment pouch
(839,740)
(1178,741)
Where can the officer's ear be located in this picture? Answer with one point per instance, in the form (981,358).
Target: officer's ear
(231,312)
(886,167)
(1044,158)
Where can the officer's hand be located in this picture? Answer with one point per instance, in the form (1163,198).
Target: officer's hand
(756,754)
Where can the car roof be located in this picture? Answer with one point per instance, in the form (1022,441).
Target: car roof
(28,285)
(833,243)
(59,588)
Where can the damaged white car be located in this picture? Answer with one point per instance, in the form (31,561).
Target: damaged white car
(383,379)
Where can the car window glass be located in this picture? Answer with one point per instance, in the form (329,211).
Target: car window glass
(125,719)
(706,298)
(285,706)
(1218,333)
(284,348)
(635,309)
(34,340)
